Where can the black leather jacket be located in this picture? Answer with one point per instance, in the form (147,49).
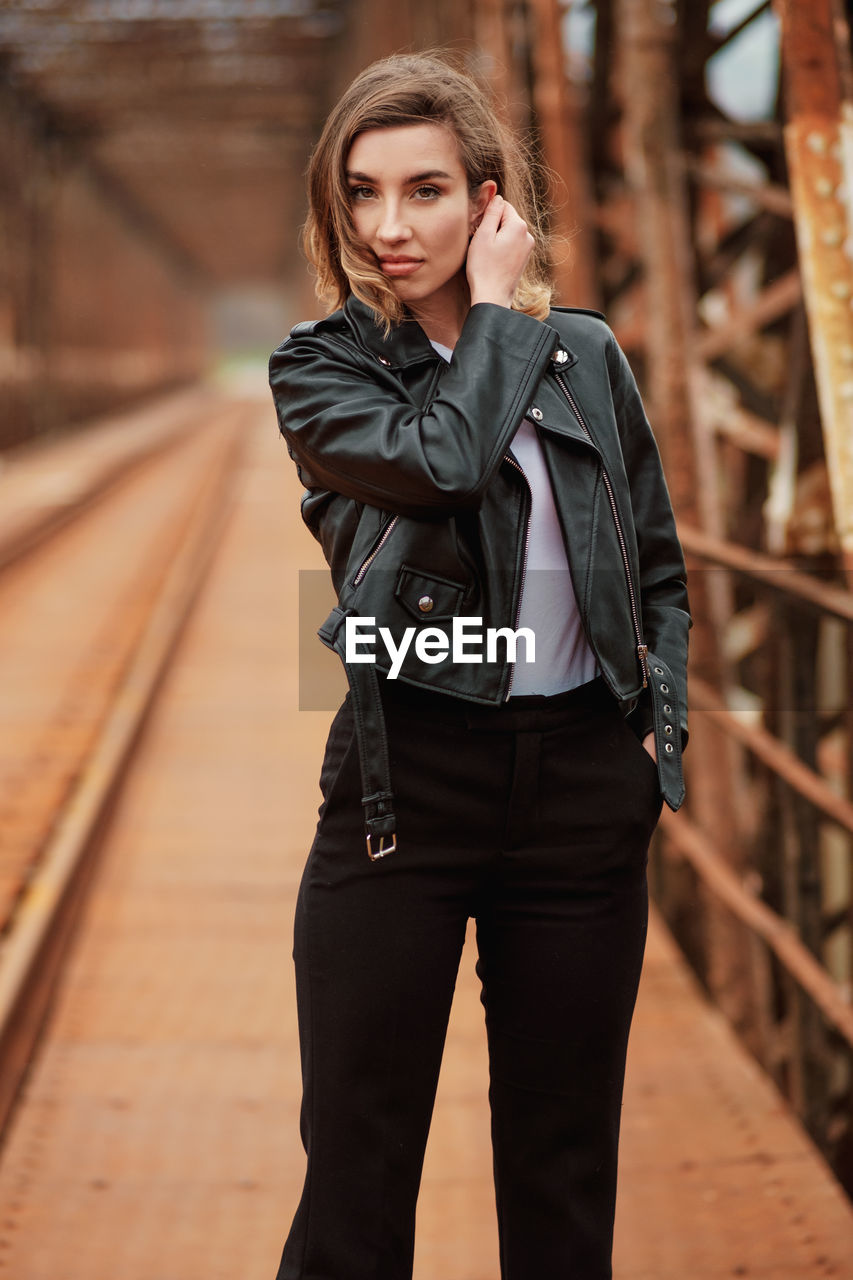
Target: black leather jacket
(413,492)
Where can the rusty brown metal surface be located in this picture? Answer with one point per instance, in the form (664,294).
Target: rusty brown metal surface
(34,936)
(41,492)
(72,612)
(97,308)
(158,1134)
(813,83)
(819,146)
(773,571)
(152,154)
(711,864)
(776,300)
(655,167)
(555,102)
(705,1133)
(768,195)
(780,758)
(200,113)
(703,283)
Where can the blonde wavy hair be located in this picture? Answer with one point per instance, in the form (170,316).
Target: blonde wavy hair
(414,89)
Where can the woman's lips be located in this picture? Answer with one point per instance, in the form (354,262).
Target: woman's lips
(400,266)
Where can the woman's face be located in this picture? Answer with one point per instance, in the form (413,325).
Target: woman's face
(410,204)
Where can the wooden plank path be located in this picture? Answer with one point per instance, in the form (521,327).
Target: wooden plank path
(158,1135)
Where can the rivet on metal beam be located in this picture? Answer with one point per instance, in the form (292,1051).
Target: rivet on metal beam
(817,143)
(833,236)
(824,187)
(840,289)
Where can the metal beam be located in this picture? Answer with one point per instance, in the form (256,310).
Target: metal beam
(776,754)
(708,861)
(649,35)
(819,147)
(775,300)
(558,118)
(772,571)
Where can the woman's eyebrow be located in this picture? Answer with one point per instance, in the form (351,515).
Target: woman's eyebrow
(355,176)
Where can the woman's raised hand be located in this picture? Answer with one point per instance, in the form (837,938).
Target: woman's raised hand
(498,253)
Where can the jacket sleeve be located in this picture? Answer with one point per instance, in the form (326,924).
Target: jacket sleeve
(351,428)
(663,577)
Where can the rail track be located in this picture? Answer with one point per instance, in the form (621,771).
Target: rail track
(104,542)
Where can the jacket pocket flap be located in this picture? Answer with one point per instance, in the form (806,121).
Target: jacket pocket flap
(427,597)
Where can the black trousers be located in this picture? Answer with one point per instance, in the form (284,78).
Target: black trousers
(534,818)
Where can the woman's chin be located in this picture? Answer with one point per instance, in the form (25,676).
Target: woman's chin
(425,295)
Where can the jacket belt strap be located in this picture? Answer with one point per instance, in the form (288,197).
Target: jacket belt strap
(377,798)
(372,739)
(667,722)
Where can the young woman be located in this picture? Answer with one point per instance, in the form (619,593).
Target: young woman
(478,469)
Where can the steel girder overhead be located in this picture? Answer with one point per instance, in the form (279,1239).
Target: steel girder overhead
(197,112)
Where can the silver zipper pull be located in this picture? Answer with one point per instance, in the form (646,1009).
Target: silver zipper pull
(643,655)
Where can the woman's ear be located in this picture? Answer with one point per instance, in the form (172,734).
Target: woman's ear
(479,203)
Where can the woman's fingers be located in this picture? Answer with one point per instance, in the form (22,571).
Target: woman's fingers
(501,221)
(493,213)
(498,253)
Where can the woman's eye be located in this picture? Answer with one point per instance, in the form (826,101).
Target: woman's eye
(428,193)
(360,193)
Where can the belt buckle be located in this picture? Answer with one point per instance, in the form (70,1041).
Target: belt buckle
(381,852)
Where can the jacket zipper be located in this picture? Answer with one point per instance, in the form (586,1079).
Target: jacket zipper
(642,648)
(386,534)
(512,462)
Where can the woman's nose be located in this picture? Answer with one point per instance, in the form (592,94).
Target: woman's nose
(392,226)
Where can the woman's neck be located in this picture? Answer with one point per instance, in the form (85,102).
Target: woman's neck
(442,316)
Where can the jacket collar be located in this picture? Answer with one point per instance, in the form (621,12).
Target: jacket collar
(405,344)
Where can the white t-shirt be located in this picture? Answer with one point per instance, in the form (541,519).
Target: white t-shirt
(548,602)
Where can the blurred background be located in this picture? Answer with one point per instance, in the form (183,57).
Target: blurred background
(152,158)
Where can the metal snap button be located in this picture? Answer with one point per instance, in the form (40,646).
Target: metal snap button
(382,360)
(536,413)
(664,688)
(425,604)
(560,356)
(667,709)
(668,748)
